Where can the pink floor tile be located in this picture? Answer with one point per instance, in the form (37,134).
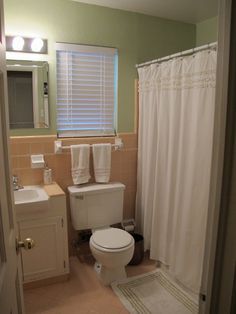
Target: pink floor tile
(81,294)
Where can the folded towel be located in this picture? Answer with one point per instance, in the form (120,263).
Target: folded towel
(102,162)
(80,163)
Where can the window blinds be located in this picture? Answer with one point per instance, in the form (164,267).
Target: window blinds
(86,90)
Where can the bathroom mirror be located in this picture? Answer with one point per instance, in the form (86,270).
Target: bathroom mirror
(28,94)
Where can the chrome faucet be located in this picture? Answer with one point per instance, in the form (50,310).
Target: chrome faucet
(15,181)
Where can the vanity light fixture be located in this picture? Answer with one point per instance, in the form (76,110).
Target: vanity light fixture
(26,44)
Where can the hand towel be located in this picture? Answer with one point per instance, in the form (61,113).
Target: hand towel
(80,163)
(102,162)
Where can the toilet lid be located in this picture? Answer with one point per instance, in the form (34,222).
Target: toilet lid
(112,238)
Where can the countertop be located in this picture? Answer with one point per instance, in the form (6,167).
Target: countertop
(53,189)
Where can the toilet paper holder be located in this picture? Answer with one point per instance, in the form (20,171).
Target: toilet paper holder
(128,225)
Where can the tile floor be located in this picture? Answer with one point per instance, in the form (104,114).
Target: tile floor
(81,294)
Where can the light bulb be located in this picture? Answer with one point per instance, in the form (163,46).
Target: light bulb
(18,43)
(37,44)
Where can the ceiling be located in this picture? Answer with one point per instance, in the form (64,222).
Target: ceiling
(190,11)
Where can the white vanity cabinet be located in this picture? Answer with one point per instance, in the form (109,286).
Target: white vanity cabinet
(48,229)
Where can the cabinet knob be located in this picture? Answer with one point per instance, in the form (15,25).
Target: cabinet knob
(27,244)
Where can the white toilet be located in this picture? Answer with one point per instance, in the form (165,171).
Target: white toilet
(96,207)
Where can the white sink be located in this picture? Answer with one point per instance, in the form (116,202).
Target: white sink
(29,194)
(31,198)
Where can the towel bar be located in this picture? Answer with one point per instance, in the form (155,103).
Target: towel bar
(58,147)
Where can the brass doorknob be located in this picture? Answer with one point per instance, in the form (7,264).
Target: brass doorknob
(27,244)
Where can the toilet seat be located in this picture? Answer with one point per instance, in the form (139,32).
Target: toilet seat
(111,239)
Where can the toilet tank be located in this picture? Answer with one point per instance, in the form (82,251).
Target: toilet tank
(96,205)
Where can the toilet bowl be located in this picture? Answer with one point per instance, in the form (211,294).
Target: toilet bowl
(113,249)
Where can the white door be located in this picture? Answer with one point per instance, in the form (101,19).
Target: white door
(10,269)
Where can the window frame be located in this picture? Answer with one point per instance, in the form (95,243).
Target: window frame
(89,49)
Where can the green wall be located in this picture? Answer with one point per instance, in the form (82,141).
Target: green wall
(138,38)
(206,31)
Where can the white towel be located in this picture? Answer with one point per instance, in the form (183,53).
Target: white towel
(102,162)
(80,163)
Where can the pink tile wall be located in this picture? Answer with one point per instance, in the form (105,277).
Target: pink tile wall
(124,164)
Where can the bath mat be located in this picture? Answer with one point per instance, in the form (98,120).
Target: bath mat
(154,293)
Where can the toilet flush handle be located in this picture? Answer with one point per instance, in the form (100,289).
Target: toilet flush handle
(79,197)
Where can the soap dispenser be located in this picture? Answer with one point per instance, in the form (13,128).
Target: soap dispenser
(47,175)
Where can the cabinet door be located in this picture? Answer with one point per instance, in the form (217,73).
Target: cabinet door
(47,258)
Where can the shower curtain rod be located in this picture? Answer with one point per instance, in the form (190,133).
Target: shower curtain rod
(179,54)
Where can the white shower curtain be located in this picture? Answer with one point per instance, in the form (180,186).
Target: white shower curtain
(174,160)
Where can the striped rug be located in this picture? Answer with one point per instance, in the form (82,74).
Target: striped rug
(154,293)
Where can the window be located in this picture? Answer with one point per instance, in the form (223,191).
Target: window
(86,90)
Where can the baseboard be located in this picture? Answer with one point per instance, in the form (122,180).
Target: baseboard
(45,282)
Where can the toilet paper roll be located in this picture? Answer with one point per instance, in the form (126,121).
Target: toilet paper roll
(129,228)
